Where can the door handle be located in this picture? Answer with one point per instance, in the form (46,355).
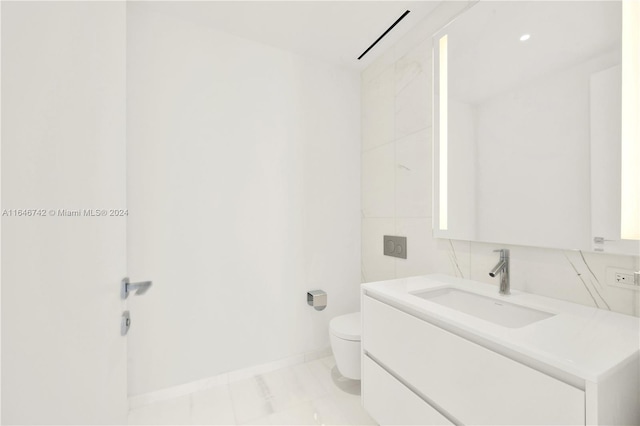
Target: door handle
(139,288)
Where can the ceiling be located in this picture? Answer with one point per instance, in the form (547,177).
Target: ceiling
(486,56)
(332,31)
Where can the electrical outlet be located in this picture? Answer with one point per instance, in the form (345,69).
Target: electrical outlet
(624,278)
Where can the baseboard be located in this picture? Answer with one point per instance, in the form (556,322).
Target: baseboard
(223,379)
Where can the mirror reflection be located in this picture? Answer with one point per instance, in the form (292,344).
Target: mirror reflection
(528,126)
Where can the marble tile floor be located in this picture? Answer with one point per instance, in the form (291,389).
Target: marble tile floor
(313,393)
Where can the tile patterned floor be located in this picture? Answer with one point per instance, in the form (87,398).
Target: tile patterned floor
(313,393)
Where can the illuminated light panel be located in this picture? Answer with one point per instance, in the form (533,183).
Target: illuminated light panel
(443,130)
(630,165)
(525,37)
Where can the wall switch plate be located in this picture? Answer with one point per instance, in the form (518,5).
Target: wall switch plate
(395,246)
(624,278)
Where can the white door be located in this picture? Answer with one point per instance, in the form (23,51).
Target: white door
(63,148)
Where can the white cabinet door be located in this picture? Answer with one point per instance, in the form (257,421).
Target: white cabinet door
(63,148)
(474,384)
(390,402)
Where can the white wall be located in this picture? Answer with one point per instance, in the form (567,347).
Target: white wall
(396,128)
(243,167)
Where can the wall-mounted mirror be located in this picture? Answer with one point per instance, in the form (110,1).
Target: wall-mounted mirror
(530,145)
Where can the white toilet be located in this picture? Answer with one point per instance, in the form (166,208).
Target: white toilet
(344,333)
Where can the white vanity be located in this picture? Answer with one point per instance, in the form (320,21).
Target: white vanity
(444,350)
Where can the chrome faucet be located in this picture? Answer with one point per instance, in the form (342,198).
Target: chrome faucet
(503,269)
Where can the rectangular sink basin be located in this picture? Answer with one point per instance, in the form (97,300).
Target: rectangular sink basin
(486,308)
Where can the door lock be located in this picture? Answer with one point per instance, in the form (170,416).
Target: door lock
(125,323)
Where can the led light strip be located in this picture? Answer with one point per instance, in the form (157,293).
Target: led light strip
(443,133)
(630,165)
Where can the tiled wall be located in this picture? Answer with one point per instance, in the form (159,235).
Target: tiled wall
(396,191)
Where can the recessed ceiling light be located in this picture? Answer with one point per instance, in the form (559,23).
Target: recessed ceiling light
(525,37)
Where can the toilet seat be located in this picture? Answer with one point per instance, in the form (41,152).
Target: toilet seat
(346,327)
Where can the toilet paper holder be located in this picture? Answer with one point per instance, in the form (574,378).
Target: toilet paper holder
(317,299)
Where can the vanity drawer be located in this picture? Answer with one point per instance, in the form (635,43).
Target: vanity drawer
(390,402)
(474,384)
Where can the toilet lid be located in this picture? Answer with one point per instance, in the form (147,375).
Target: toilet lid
(346,326)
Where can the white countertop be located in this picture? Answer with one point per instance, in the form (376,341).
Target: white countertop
(585,342)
